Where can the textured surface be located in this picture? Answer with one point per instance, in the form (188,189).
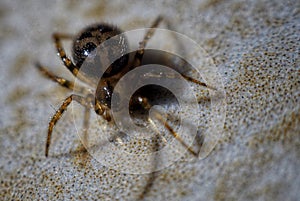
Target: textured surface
(255,46)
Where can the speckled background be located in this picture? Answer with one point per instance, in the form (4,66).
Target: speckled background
(255,46)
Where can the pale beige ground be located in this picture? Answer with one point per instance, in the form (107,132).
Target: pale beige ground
(255,45)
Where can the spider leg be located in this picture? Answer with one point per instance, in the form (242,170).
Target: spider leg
(145,103)
(102,110)
(61,81)
(81,100)
(98,108)
(197,82)
(153,174)
(172,75)
(149,34)
(86,123)
(57,37)
(139,54)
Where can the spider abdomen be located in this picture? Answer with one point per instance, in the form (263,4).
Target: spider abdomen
(89,39)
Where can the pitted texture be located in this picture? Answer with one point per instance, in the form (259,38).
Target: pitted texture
(255,45)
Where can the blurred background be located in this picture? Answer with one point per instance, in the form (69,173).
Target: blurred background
(255,46)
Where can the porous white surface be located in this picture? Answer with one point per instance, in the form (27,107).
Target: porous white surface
(255,46)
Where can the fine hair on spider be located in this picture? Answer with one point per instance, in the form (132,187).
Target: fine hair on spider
(100,100)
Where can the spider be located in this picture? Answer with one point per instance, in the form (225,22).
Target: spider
(99,100)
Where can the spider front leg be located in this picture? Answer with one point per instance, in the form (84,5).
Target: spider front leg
(81,100)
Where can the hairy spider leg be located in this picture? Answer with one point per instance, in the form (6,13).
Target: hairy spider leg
(86,119)
(84,101)
(140,53)
(69,85)
(145,103)
(61,81)
(153,174)
(57,37)
(81,100)
(75,70)
(197,82)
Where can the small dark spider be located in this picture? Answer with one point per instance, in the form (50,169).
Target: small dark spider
(84,43)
